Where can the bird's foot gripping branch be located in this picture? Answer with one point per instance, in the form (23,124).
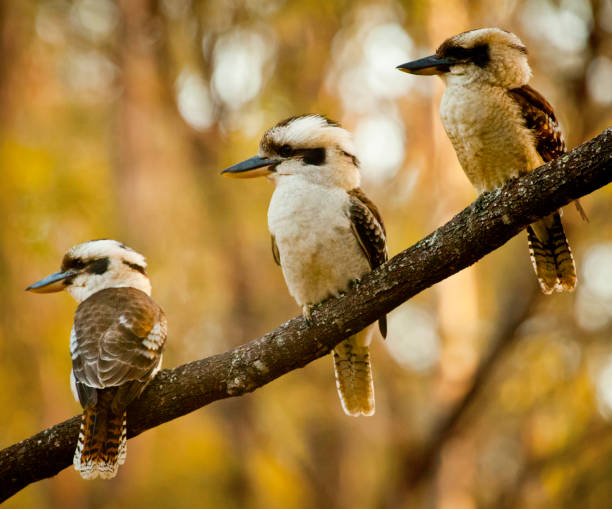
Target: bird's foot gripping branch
(469,236)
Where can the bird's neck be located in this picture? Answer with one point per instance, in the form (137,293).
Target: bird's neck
(84,290)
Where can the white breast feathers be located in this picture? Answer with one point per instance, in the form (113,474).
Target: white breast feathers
(319,253)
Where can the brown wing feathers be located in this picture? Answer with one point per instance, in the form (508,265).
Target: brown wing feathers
(110,328)
(118,338)
(550,253)
(540,118)
(368,226)
(369,230)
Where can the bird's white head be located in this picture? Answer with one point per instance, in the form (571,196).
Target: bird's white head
(486,55)
(92,266)
(310,146)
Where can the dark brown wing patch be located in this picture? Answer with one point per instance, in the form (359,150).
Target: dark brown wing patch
(540,119)
(361,196)
(369,230)
(118,337)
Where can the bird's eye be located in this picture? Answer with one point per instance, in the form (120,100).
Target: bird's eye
(314,156)
(285,151)
(98,266)
(478,54)
(72,264)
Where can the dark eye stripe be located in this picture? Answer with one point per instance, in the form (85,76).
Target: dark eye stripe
(522,49)
(314,156)
(478,54)
(285,151)
(353,158)
(135,267)
(72,263)
(99,266)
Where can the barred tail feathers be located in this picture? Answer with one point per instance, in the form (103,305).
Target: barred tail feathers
(354,377)
(551,255)
(102,443)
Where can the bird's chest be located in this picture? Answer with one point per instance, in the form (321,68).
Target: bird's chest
(488,133)
(319,253)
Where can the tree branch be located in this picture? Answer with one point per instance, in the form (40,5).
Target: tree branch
(485,225)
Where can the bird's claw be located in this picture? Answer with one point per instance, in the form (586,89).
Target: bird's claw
(306,314)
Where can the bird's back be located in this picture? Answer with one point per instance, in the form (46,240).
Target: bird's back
(111,329)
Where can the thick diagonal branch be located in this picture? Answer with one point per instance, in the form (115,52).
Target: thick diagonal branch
(485,225)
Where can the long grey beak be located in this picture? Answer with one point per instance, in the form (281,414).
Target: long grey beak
(427,66)
(56,282)
(253,167)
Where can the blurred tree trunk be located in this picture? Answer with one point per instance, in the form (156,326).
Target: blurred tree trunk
(139,118)
(587,114)
(419,465)
(156,151)
(10,45)
(151,157)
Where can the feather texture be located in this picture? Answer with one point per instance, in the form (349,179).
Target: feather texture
(102,443)
(116,346)
(368,227)
(325,233)
(550,252)
(551,258)
(540,119)
(354,380)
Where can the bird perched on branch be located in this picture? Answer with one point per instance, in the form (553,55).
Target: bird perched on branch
(326,233)
(501,128)
(116,345)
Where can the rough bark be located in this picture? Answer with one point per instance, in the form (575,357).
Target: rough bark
(482,227)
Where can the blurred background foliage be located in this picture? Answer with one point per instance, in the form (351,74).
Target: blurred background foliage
(115,120)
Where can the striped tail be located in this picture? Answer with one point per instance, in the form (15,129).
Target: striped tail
(102,444)
(354,377)
(551,255)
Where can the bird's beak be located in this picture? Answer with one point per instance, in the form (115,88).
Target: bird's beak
(428,66)
(253,167)
(56,282)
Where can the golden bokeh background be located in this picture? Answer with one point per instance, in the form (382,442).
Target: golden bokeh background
(115,120)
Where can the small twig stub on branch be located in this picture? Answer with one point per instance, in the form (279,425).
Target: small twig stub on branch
(482,227)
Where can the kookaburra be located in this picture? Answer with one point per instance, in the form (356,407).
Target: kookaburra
(501,128)
(116,345)
(326,233)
